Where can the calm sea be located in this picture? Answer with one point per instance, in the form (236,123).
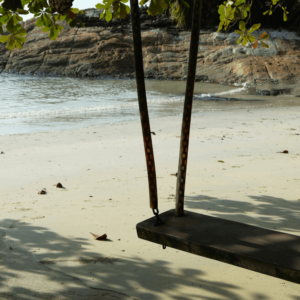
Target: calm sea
(38,104)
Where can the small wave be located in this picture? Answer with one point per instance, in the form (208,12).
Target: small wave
(82,110)
(215,96)
(97,109)
(66,111)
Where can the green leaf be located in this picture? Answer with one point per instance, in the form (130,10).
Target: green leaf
(221,161)
(75,10)
(157,7)
(18,43)
(20,38)
(142,2)
(21,32)
(245,41)
(238,31)
(4,19)
(40,21)
(35,7)
(24,2)
(45,29)
(242,25)
(265,45)
(47,20)
(11,44)
(58,17)
(229,13)
(54,31)
(10,25)
(99,6)
(73,23)
(108,15)
(15,19)
(254,27)
(22,12)
(221,11)
(251,38)
(17,27)
(123,10)
(265,12)
(4,38)
(177,10)
(239,2)
(239,40)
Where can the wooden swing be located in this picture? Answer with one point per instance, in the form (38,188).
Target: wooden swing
(265,251)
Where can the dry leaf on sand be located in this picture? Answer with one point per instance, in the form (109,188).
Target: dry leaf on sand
(99,237)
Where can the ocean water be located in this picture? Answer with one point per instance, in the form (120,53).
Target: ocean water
(40,104)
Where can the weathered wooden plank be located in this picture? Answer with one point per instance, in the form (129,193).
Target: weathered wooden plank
(265,251)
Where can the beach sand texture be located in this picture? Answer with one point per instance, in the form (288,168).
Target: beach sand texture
(47,251)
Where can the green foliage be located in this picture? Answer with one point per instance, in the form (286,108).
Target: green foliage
(178,11)
(10,15)
(118,7)
(231,12)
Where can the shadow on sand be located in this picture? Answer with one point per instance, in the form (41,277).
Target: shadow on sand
(24,275)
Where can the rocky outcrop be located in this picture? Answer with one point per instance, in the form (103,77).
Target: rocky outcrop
(107,50)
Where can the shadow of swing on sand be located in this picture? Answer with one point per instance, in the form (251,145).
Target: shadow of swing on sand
(266,212)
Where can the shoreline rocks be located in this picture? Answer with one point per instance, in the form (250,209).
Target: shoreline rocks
(106,50)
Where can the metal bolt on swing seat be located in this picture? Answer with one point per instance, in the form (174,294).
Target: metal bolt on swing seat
(159,221)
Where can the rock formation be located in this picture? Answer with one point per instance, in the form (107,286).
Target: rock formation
(102,49)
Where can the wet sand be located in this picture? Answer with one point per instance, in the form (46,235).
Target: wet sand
(47,251)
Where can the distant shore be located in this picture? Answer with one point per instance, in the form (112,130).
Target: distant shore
(106,49)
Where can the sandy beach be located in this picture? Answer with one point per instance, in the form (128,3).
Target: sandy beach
(47,251)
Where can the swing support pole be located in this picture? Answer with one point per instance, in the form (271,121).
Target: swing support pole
(141,90)
(187,110)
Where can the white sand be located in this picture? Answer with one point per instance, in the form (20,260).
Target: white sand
(256,185)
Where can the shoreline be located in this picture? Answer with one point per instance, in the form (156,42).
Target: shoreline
(103,171)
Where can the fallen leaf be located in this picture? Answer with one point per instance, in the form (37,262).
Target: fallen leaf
(59,185)
(99,237)
(221,161)
(284,151)
(42,192)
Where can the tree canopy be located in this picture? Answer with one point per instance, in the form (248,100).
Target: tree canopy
(49,12)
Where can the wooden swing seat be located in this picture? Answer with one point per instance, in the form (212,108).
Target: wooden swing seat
(262,250)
